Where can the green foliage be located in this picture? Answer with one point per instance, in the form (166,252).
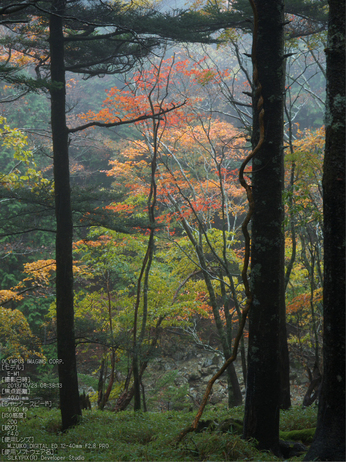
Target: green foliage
(46,387)
(16,339)
(298,418)
(14,75)
(110,264)
(14,141)
(35,309)
(26,199)
(144,436)
(45,373)
(167,395)
(305,436)
(32,111)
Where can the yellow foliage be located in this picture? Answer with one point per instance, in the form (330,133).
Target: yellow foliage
(16,339)
(40,270)
(7,295)
(16,141)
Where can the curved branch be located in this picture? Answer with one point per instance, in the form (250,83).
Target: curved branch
(129,121)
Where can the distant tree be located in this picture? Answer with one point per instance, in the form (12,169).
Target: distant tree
(329,440)
(189,195)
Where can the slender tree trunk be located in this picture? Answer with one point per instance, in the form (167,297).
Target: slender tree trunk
(285,400)
(100,386)
(107,393)
(136,381)
(329,440)
(242,342)
(127,395)
(285,393)
(234,393)
(235,397)
(284,362)
(267,265)
(69,396)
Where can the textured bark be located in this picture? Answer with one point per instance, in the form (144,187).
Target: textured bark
(267,265)
(69,396)
(329,440)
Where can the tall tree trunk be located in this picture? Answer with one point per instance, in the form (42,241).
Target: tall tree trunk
(69,397)
(329,440)
(267,265)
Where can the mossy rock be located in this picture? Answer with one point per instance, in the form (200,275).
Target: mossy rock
(290,449)
(204,425)
(305,435)
(231,426)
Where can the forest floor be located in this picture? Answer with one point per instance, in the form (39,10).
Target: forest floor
(151,436)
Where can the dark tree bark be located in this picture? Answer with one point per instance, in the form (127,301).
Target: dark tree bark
(69,396)
(267,252)
(329,440)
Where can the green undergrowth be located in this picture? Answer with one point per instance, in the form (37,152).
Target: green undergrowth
(128,436)
(305,436)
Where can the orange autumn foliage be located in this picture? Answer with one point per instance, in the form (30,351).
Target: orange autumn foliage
(302,301)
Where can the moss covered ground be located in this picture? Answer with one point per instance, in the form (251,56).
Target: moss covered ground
(128,436)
